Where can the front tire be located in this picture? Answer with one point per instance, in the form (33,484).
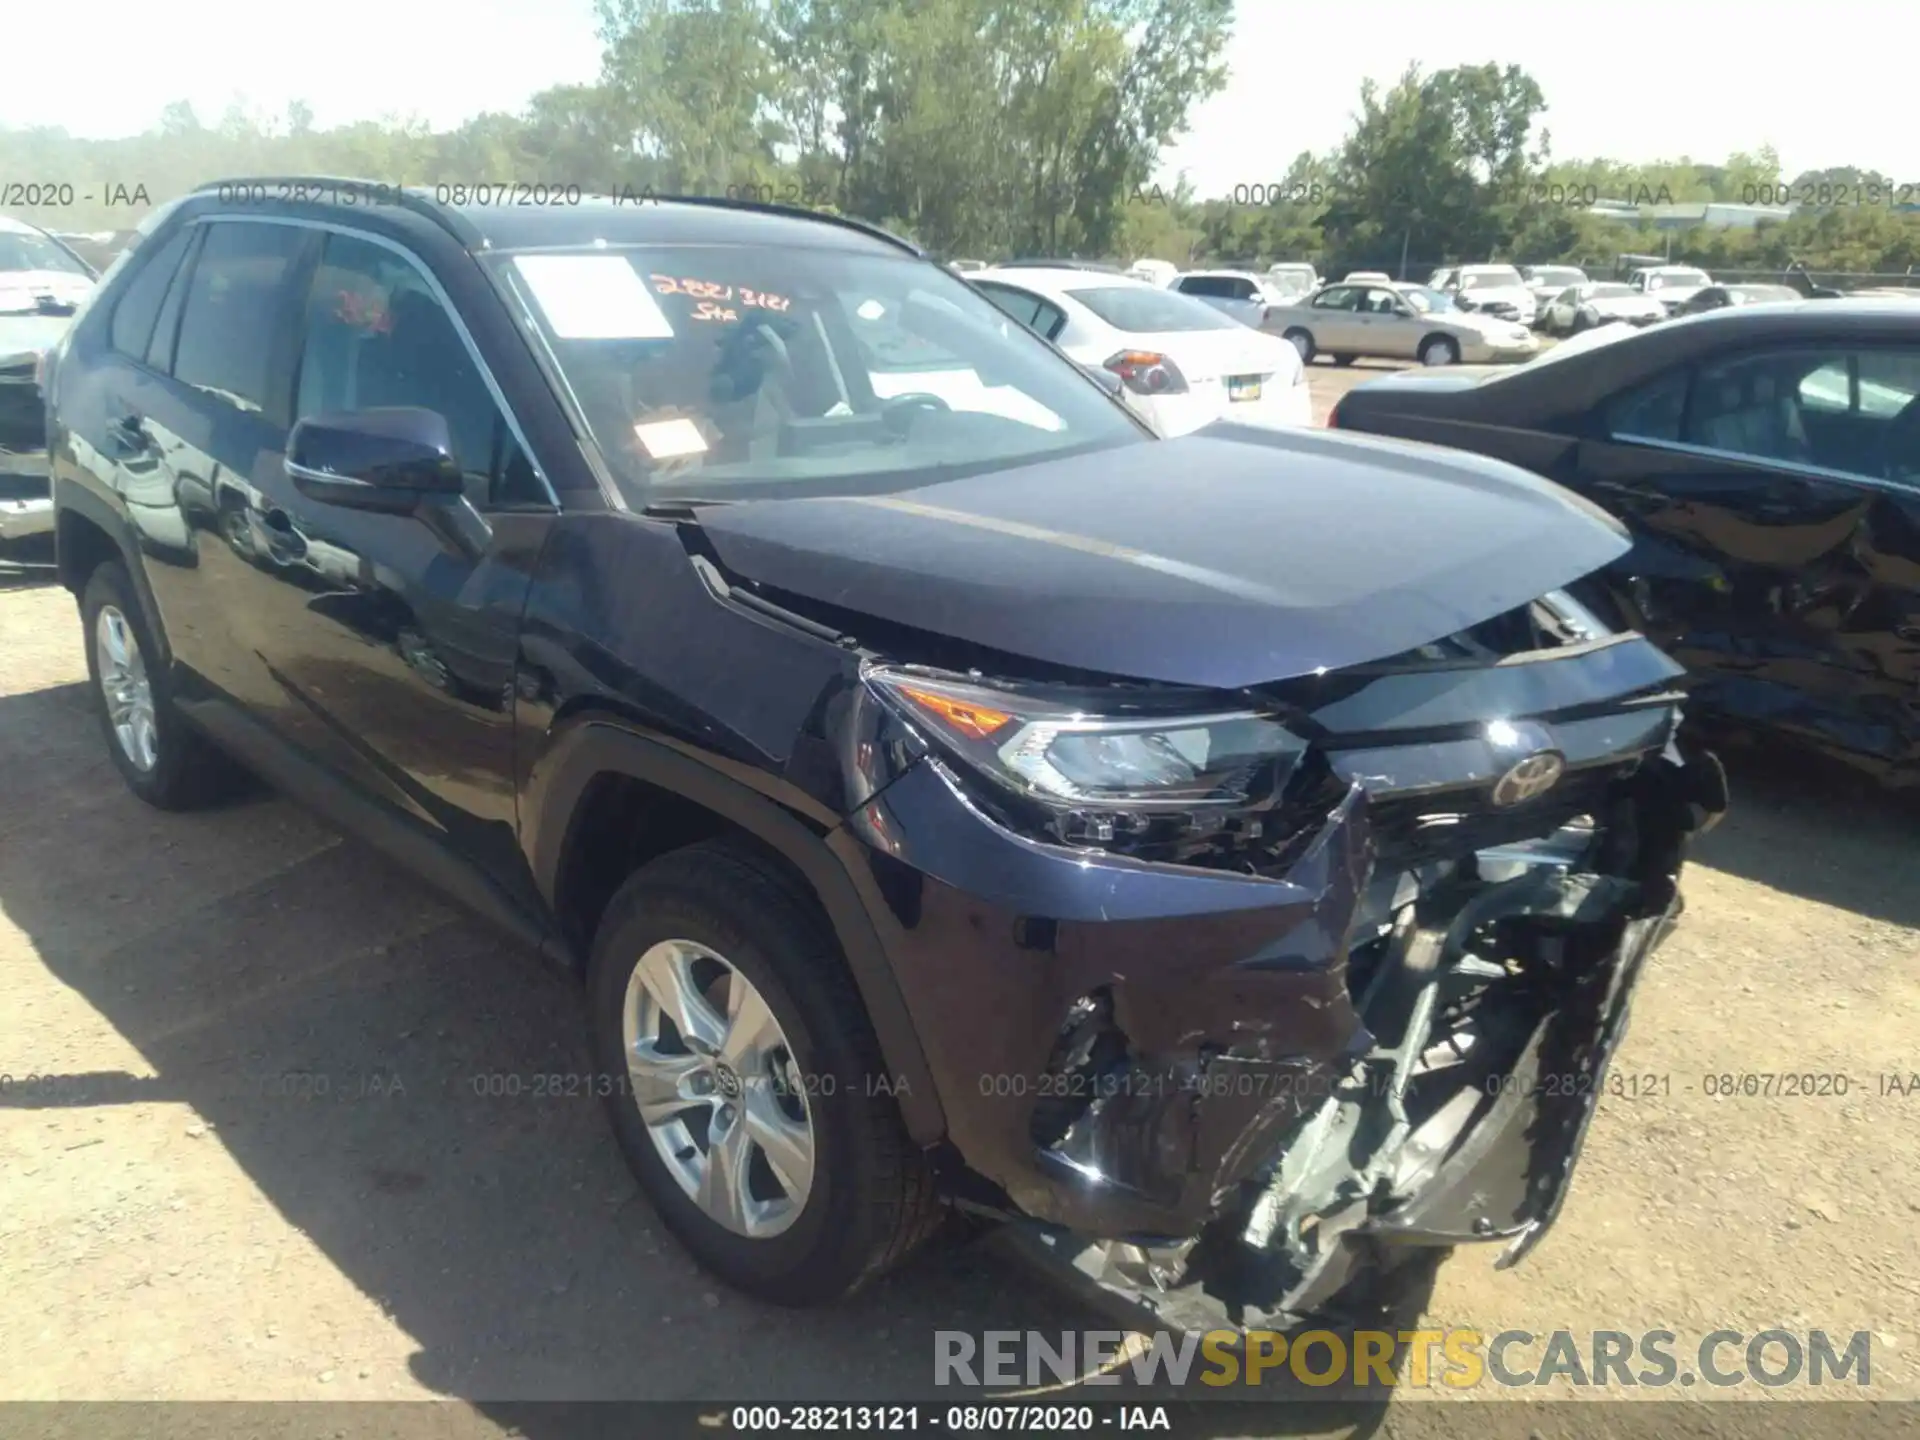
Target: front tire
(1439,350)
(163,759)
(744,1083)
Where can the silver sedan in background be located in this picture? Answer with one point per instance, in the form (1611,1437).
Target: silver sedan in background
(1397,322)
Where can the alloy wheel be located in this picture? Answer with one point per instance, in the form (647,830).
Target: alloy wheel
(716,1084)
(126,689)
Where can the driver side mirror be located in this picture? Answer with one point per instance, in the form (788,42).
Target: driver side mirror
(387,461)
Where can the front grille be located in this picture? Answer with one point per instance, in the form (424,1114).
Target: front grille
(1410,830)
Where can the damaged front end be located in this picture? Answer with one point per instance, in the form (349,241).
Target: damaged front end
(1220,1107)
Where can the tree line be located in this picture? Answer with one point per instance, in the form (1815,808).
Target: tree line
(988,129)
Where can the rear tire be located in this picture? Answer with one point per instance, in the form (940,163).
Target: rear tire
(1302,341)
(867,1200)
(163,759)
(1344,359)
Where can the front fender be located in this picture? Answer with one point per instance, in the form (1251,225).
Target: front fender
(586,748)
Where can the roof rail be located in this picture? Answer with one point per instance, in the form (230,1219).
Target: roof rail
(416,198)
(768,207)
(421,201)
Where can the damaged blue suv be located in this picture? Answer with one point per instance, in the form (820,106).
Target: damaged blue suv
(1227,861)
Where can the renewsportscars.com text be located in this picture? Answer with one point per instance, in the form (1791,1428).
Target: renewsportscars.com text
(1456,1359)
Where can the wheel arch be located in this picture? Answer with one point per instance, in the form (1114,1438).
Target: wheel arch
(603,798)
(86,535)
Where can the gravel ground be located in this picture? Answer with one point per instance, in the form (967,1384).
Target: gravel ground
(180,1220)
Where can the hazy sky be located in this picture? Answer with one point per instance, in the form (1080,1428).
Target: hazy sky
(1823,86)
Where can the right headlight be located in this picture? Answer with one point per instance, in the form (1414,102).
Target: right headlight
(1099,776)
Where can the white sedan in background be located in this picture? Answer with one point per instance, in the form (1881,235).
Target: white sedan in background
(1181,364)
(1599,302)
(1496,289)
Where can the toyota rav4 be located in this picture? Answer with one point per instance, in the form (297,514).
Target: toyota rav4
(1226,861)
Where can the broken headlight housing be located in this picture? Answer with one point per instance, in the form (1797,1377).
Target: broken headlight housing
(1094,767)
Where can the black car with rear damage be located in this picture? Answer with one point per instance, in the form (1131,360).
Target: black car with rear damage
(1765,459)
(1226,861)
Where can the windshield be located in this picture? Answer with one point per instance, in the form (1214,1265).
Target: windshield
(1427,300)
(1552,275)
(1489,279)
(1756,294)
(724,371)
(1673,278)
(1610,292)
(22,250)
(1145,312)
(1289,283)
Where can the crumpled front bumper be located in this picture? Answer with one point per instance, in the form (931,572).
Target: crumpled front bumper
(1506,1182)
(995,938)
(1232,997)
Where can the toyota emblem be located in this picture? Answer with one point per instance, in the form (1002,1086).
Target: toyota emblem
(1529,778)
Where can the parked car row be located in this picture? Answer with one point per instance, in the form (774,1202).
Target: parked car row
(949,789)
(1181,363)
(1477,320)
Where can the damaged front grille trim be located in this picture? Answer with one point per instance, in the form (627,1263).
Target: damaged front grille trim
(1358,1172)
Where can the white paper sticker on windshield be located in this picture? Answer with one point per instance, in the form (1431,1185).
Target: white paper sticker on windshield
(593,297)
(671,439)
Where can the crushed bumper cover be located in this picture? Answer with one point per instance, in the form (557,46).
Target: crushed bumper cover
(1190,1098)
(1505,1183)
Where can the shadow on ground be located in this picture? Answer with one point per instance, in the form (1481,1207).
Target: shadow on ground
(394,1079)
(1812,827)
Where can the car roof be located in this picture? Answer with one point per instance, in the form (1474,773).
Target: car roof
(1489,265)
(1052,281)
(10,226)
(633,216)
(1221,275)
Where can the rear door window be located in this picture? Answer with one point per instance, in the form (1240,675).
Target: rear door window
(167,330)
(237,308)
(1652,411)
(1216,286)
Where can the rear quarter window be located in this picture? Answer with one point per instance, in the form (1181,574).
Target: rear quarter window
(138,308)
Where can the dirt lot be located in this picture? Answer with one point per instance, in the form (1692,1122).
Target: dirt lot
(179,1218)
